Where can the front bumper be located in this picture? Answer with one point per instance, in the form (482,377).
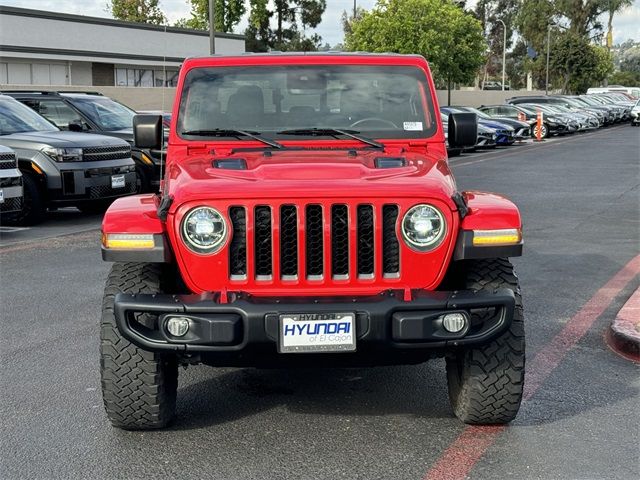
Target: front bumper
(93,182)
(246,329)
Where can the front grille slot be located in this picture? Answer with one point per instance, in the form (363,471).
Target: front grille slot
(238,246)
(262,237)
(315,242)
(92,154)
(365,241)
(300,243)
(340,241)
(289,242)
(390,244)
(7,161)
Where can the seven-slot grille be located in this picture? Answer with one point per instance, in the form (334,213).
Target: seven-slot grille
(7,161)
(93,154)
(314,241)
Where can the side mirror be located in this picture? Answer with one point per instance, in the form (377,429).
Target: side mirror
(463,129)
(75,127)
(147,131)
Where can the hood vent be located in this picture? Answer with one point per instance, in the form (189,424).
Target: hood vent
(230,164)
(390,162)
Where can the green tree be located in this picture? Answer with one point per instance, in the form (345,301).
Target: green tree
(581,18)
(140,11)
(228,13)
(291,18)
(625,78)
(490,13)
(440,30)
(578,63)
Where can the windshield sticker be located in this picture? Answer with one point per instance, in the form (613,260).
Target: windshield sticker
(413,126)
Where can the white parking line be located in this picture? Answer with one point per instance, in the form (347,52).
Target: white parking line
(548,143)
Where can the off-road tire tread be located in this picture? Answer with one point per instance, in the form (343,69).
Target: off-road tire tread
(486,382)
(138,386)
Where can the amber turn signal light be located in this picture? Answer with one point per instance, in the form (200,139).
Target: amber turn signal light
(495,238)
(128,241)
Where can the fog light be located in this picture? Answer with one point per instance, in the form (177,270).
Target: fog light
(178,326)
(454,322)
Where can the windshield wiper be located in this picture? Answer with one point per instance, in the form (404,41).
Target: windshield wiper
(333,132)
(219,132)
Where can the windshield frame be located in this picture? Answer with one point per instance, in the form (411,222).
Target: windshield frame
(429,118)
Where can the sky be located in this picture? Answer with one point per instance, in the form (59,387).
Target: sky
(625,25)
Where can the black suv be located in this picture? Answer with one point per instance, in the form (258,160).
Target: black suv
(64,168)
(93,112)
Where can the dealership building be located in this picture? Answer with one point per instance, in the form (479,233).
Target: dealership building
(57,49)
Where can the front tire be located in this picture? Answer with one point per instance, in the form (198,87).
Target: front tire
(544,131)
(33,207)
(138,387)
(486,382)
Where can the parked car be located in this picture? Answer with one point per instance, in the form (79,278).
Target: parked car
(564,100)
(505,135)
(491,85)
(635,114)
(64,168)
(521,130)
(323,235)
(518,112)
(95,113)
(569,122)
(10,182)
(603,116)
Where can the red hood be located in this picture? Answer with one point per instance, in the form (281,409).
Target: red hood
(311,174)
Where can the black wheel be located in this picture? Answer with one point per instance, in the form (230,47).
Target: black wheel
(94,207)
(33,206)
(138,387)
(486,382)
(143,183)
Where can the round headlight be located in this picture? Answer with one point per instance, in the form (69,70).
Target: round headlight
(423,227)
(204,230)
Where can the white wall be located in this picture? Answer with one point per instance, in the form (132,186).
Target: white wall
(34,32)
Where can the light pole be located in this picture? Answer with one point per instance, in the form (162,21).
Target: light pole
(546,84)
(354,9)
(504,50)
(212,26)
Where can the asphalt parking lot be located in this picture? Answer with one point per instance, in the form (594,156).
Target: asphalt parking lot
(579,200)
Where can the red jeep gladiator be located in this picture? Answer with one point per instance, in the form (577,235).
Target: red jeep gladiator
(308,217)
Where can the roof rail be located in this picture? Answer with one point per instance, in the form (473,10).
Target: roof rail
(52,92)
(31,92)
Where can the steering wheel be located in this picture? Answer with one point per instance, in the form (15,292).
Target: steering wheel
(374,119)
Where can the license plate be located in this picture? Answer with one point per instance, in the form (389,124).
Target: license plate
(1,196)
(317,332)
(117,181)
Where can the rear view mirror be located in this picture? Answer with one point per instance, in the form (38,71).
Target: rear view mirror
(147,131)
(463,129)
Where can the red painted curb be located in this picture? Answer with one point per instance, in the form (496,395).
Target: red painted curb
(457,461)
(624,334)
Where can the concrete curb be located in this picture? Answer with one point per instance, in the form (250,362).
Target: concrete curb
(624,334)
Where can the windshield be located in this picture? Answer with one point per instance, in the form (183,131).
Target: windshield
(381,102)
(479,113)
(104,112)
(18,118)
